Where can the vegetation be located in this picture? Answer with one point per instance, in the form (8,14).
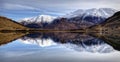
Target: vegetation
(8,24)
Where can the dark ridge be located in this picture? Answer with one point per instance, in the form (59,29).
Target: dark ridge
(33,25)
(116,16)
(117,13)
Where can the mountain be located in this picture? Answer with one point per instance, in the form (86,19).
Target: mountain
(79,19)
(91,15)
(38,21)
(9,24)
(103,12)
(62,24)
(39,18)
(109,30)
(82,19)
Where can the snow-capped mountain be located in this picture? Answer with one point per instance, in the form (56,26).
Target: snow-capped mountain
(39,19)
(88,14)
(100,12)
(91,15)
(77,19)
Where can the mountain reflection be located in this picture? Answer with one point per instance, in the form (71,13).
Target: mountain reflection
(76,41)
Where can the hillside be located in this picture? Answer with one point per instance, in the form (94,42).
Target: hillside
(8,24)
(109,31)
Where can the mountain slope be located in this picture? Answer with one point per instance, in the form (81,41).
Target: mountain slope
(91,15)
(109,31)
(103,12)
(8,24)
(39,18)
(38,21)
(79,19)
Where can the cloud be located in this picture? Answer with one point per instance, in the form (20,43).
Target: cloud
(10,6)
(63,4)
(52,7)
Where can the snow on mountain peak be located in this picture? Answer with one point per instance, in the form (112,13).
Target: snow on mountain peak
(105,12)
(39,18)
(98,12)
(92,16)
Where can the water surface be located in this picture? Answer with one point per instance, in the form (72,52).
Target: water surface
(56,47)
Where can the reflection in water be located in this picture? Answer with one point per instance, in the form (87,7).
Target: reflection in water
(58,46)
(7,37)
(75,41)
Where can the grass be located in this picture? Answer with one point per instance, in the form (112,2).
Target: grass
(8,24)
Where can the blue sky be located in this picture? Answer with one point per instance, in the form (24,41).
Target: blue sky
(18,9)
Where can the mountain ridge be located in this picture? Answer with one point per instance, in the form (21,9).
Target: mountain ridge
(82,18)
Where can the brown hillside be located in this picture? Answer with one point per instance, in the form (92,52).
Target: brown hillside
(8,24)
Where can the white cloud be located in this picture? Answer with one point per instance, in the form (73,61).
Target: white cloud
(10,6)
(61,4)
(54,7)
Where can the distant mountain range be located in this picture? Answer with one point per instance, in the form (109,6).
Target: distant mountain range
(100,12)
(78,19)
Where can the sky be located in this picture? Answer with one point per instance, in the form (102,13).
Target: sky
(18,9)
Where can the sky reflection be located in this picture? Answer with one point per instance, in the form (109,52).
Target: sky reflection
(18,51)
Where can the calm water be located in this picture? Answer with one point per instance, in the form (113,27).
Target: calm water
(57,47)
